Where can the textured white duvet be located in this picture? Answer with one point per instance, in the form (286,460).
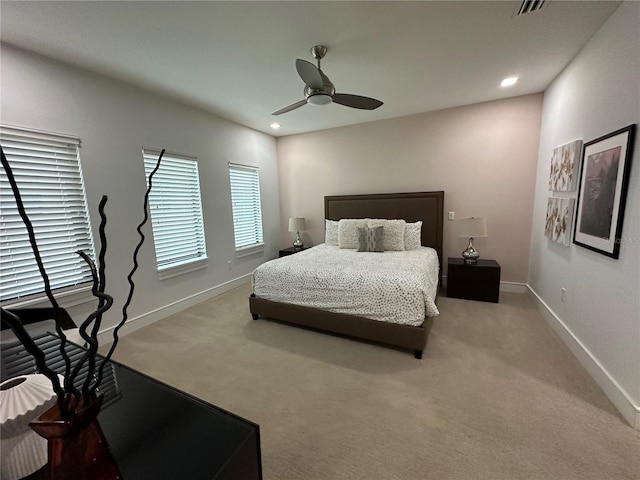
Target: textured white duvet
(396,287)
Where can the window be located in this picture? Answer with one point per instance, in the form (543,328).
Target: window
(47,170)
(176,213)
(247,213)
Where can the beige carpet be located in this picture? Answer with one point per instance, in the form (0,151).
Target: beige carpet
(496,396)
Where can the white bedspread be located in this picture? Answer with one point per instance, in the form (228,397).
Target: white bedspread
(396,287)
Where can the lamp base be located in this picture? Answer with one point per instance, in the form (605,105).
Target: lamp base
(470,254)
(297,244)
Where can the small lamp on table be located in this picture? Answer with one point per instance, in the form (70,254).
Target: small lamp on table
(472,227)
(297,224)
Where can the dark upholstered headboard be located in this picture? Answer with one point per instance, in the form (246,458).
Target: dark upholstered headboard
(412,207)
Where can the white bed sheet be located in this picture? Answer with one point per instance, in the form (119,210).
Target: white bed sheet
(395,287)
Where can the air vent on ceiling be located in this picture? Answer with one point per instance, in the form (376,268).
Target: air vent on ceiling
(529,6)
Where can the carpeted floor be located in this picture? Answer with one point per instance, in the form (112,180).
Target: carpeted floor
(496,396)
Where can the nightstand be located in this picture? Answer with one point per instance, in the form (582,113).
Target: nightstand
(290,251)
(480,281)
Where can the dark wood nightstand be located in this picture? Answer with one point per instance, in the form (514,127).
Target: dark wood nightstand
(480,281)
(290,251)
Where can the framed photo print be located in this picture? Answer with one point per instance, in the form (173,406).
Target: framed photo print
(564,167)
(606,162)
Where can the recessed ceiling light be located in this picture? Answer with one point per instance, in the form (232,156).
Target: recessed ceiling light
(509,81)
(275,125)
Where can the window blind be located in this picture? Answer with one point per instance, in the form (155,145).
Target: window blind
(245,201)
(176,209)
(47,170)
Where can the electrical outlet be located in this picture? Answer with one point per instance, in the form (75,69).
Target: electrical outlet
(563,294)
(229,264)
(452,216)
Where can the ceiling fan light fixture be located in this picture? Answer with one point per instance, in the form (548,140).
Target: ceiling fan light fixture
(319,99)
(318,89)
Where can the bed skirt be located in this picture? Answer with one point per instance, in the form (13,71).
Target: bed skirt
(403,336)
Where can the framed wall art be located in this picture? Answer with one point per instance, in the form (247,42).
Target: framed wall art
(565,160)
(557,226)
(606,162)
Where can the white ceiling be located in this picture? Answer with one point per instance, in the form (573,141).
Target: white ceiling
(236,59)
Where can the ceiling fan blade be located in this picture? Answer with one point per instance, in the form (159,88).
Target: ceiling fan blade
(293,106)
(356,101)
(309,74)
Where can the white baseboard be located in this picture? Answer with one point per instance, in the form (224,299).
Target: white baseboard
(618,396)
(105,336)
(513,287)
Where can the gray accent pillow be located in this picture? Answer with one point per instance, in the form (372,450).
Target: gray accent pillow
(370,239)
(393,233)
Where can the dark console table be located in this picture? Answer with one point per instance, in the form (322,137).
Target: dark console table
(479,281)
(158,432)
(290,251)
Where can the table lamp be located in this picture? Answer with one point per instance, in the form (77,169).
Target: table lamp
(296,224)
(472,227)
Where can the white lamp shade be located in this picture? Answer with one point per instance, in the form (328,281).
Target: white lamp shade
(297,224)
(472,227)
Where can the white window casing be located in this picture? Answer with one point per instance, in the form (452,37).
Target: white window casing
(47,170)
(176,213)
(247,209)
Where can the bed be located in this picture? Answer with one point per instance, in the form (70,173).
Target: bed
(427,207)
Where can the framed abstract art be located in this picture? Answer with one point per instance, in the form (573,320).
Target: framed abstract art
(559,219)
(564,167)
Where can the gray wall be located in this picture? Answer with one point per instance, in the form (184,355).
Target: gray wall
(114,121)
(598,93)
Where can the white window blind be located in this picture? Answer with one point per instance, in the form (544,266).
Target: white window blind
(47,170)
(176,209)
(247,211)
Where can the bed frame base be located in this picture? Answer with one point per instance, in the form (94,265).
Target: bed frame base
(403,336)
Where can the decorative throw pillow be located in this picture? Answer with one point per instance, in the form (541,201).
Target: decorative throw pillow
(370,239)
(348,233)
(413,236)
(331,232)
(393,238)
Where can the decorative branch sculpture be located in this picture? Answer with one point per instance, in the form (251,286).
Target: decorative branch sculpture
(68,397)
(130,276)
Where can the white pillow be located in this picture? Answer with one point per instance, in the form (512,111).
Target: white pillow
(393,237)
(348,231)
(413,236)
(331,232)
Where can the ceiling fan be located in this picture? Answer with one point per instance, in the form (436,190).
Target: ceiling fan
(319,90)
